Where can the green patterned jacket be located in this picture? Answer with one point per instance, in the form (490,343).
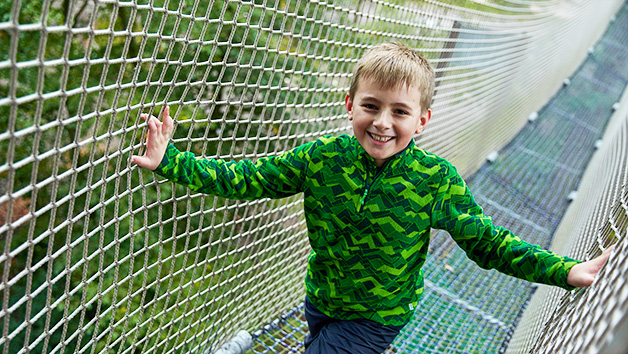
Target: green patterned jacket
(369,229)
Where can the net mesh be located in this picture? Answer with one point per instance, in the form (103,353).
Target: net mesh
(591,320)
(99,255)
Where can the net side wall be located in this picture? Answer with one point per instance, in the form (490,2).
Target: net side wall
(585,321)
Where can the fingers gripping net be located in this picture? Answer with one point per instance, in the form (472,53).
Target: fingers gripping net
(100,256)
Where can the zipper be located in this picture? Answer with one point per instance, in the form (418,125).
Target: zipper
(368,186)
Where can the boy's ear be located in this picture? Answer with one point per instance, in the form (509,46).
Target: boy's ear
(425,118)
(349,106)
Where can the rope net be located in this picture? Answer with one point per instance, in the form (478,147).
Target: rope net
(99,255)
(592,320)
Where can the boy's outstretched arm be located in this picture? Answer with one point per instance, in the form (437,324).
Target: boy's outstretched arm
(157,141)
(583,274)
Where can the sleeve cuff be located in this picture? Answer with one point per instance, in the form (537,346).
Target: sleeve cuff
(568,263)
(171,152)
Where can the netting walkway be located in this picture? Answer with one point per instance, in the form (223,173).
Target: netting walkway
(526,188)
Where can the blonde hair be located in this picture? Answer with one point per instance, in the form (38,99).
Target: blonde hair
(393,64)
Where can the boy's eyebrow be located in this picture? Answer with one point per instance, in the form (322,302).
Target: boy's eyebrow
(402,105)
(370,98)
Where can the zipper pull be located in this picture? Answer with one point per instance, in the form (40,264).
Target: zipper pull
(366,191)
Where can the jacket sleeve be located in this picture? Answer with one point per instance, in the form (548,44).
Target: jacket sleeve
(490,246)
(273,177)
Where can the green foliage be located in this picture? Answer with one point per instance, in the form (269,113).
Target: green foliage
(97,237)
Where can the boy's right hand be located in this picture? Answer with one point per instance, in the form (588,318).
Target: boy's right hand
(156,141)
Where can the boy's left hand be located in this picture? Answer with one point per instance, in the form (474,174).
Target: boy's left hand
(583,274)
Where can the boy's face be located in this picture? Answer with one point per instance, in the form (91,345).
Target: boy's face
(384,121)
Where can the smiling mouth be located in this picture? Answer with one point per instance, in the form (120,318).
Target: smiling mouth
(380,138)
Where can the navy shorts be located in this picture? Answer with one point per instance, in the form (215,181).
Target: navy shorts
(331,336)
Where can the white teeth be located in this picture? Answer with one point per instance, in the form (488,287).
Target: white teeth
(381,138)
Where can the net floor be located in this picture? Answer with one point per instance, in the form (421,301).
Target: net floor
(464,308)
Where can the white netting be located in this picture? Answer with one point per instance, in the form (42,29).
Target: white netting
(99,255)
(586,321)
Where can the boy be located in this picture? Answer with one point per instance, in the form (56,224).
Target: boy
(370,201)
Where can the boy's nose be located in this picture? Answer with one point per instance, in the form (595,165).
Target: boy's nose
(383,120)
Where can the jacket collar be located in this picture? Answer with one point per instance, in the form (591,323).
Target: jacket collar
(363,154)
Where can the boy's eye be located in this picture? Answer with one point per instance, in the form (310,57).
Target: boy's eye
(369,106)
(401,112)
